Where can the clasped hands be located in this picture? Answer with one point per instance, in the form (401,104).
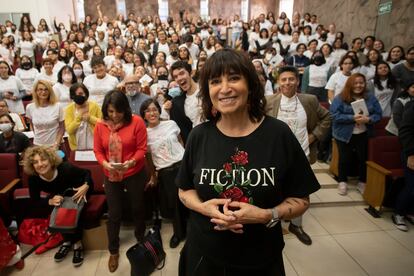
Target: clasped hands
(361,119)
(235,214)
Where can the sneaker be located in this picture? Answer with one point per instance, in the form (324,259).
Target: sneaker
(410,218)
(342,188)
(19,265)
(77,256)
(361,187)
(62,252)
(399,222)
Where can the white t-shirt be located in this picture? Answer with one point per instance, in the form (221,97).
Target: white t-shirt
(163,143)
(285,39)
(318,75)
(336,55)
(368,71)
(45,121)
(87,69)
(42,76)
(62,94)
(42,38)
(27,77)
(293,114)
(27,48)
(56,67)
(99,87)
(164,48)
(384,98)
(192,108)
(14,85)
(337,82)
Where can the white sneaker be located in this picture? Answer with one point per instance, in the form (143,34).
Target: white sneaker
(342,188)
(361,187)
(399,222)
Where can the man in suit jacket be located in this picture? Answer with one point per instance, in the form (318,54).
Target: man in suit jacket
(307,119)
(186,108)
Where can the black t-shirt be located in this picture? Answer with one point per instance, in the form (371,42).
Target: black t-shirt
(271,165)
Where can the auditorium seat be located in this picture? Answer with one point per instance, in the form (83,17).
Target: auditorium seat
(384,168)
(9,180)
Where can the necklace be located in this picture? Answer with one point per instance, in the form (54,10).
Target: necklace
(287,110)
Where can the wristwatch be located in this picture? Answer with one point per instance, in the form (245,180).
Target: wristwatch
(274,220)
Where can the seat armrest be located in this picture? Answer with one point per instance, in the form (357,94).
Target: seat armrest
(378,168)
(10,186)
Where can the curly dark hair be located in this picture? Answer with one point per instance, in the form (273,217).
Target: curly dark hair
(229,61)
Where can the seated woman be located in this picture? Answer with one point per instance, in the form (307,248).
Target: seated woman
(81,117)
(11,141)
(49,174)
(20,124)
(351,130)
(166,150)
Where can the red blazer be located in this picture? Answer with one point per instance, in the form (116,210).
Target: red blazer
(134,144)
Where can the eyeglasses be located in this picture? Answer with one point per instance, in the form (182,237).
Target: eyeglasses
(42,90)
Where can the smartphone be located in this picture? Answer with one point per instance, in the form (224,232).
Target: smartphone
(117,165)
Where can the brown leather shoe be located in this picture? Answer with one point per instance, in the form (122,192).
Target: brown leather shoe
(113,262)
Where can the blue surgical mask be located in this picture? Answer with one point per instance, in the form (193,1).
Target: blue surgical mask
(174,92)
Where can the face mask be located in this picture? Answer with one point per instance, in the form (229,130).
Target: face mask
(274,38)
(67,78)
(163,77)
(174,92)
(6,127)
(78,99)
(26,65)
(9,30)
(131,92)
(92,43)
(171,32)
(78,72)
(174,53)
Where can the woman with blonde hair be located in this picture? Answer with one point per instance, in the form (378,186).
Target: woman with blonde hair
(46,116)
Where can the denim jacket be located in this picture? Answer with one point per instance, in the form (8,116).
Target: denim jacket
(343,117)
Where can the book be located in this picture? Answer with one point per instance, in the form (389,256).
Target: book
(360,107)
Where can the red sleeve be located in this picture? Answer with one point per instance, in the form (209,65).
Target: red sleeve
(98,148)
(141,146)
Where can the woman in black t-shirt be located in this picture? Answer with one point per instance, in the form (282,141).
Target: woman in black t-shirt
(241,173)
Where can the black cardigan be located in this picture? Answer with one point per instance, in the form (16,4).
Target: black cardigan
(406,130)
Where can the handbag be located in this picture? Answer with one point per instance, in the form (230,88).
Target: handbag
(147,255)
(65,217)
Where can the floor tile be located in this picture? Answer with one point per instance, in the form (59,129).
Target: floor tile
(355,195)
(406,239)
(314,198)
(123,269)
(47,266)
(323,257)
(384,222)
(171,262)
(378,253)
(289,270)
(338,220)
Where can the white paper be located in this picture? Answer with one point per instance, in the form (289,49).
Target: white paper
(360,107)
(85,155)
(145,78)
(162,84)
(29,134)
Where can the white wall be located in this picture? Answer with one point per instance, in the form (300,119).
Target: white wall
(47,9)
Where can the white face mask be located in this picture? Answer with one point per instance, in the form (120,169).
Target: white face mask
(92,43)
(131,93)
(6,127)
(67,78)
(78,72)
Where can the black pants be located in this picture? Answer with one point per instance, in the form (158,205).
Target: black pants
(358,146)
(133,186)
(193,263)
(170,205)
(405,200)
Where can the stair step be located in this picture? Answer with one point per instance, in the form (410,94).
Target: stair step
(326,180)
(330,197)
